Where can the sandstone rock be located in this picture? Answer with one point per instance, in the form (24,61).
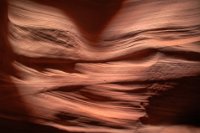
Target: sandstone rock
(100,66)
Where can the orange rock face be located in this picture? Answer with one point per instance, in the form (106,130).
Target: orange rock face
(98,66)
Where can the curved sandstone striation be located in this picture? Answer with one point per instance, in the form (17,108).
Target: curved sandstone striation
(101,67)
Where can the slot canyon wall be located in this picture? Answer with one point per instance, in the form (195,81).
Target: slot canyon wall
(99,66)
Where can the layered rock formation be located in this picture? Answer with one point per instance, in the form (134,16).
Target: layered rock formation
(100,66)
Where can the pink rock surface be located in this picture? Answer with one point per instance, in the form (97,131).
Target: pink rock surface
(100,66)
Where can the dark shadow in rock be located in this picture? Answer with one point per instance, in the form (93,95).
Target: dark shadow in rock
(91,16)
(177,106)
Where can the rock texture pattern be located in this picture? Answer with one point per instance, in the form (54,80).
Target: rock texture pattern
(97,66)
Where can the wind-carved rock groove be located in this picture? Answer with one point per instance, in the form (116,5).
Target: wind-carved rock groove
(138,65)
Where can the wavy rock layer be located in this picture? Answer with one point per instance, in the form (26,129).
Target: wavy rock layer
(101,67)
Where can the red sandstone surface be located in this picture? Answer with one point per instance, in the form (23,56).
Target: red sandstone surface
(99,66)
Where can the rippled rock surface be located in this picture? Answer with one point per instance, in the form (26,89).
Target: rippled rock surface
(98,66)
